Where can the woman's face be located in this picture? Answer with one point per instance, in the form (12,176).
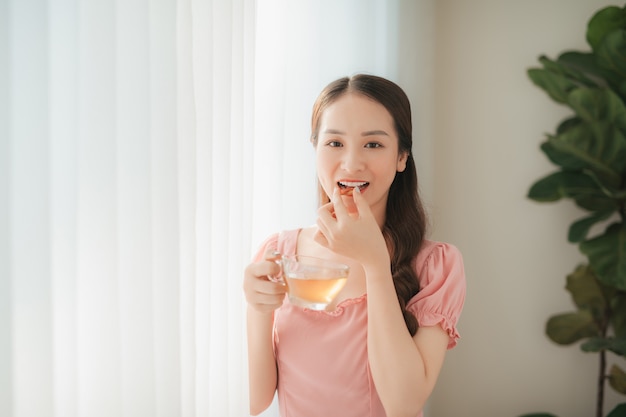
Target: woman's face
(358,146)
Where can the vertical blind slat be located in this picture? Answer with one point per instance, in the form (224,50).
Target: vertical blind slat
(29,205)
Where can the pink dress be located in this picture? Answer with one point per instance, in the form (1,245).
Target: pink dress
(321,356)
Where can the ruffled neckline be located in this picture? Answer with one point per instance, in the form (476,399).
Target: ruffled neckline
(339,309)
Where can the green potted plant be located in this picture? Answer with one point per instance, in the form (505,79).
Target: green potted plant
(589,150)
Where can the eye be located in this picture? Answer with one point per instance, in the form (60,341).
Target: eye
(373,145)
(334,144)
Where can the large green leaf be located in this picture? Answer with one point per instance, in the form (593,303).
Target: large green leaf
(594,344)
(618,313)
(597,104)
(620,88)
(610,56)
(579,230)
(568,328)
(585,63)
(562,159)
(586,291)
(611,53)
(598,146)
(598,139)
(617,380)
(593,139)
(607,255)
(604,22)
(618,411)
(597,344)
(556,85)
(570,70)
(571,184)
(561,184)
(567,124)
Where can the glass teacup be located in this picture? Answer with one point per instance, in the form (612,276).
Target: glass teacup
(312,282)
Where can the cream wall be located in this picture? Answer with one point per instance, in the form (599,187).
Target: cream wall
(488,123)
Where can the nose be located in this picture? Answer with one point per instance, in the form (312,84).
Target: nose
(353,160)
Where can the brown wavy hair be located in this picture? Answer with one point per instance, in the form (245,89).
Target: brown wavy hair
(405,219)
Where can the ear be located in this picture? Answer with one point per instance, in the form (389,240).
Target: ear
(402,158)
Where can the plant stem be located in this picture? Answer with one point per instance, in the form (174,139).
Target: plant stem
(602,371)
(601,378)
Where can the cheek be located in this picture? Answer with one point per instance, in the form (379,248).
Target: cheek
(387,175)
(324,171)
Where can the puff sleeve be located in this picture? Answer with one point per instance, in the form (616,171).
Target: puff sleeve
(439,267)
(270,242)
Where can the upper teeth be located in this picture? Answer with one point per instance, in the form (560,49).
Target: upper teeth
(352,183)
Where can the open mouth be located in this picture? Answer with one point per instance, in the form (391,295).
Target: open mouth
(347,187)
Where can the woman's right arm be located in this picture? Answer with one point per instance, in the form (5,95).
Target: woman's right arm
(263,297)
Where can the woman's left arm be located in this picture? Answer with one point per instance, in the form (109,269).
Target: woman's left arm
(404,368)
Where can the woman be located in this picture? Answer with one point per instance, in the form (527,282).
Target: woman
(378,349)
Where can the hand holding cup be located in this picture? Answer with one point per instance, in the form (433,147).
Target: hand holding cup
(262,293)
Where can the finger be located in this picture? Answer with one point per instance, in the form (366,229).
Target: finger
(263,269)
(326,217)
(270,288)
(327,211)
(272,255)
(361,204)
(275,257)
(259,290)
(328,207)
(341,211)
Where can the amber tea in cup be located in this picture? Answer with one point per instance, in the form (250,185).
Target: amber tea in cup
(313,282)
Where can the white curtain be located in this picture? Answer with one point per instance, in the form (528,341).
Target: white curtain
(146,148)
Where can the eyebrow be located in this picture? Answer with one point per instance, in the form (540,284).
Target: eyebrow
(367,133)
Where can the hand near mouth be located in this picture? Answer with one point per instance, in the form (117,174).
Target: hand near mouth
(355,235)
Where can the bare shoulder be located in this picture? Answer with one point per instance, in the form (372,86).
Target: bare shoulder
(306,243)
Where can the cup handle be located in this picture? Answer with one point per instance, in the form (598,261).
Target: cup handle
(277,257)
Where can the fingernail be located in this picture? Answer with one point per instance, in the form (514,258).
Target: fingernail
(357,190)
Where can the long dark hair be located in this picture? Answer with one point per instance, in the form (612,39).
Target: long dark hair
(405,219)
